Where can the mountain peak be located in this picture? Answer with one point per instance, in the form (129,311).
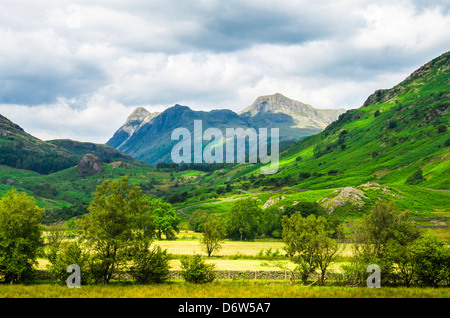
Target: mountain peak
(178,107)
(276,103)
(139,114)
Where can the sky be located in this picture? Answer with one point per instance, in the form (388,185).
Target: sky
(77,69)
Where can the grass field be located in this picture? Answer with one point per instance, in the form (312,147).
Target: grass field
(217,290)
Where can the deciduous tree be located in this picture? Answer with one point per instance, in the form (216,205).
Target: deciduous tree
(20,236)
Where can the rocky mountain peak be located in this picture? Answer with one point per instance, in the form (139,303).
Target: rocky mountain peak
(139,114)
(276,103)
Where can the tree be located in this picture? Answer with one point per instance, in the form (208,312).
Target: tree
(431,260)
(71,228)
(198,219)
(384,224)
(309,244)
(327,249)
(213,234)
(165,218)
(384,240)
(243,220)
(118,219)
(270,221)
(20,236)
(305,208)
(195,270)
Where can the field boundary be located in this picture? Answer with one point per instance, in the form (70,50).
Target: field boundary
(219,274)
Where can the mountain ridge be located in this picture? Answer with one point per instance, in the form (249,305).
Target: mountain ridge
(147,137)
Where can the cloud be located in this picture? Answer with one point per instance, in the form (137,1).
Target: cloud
(77,69)
(95,121)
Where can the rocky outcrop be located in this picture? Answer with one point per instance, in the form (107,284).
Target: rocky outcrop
(271,202)
(345,195)
(89,165)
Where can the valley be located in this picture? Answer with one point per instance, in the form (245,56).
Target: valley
(336,165)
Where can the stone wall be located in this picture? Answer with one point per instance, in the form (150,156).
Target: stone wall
(220,274)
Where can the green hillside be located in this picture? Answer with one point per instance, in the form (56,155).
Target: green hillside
(394,147)
(405,128)
(103,152)
(21,150)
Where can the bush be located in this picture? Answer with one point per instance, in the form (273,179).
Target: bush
(304,175)
(377,113)
(447,143)
(333,172)
(195,270)
(415,178)
(431,259)
(392,124)
(69,253)
(150,266)
(442,128)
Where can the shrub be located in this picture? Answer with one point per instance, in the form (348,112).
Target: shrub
(392,124)
(415,178)
(431,259)
(69,253)
(150,266)
(195,270)
(377,113)
(304,175)
(333,172)
(447,143)
(442,128)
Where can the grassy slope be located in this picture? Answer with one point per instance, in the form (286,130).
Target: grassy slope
(418,106)
(375,150)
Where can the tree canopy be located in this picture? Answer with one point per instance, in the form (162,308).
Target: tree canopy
(20,236)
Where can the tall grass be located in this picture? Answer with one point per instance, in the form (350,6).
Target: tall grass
(217,290)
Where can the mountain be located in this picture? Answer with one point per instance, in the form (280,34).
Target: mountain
(103,152)
(146,136)
(396,133)
(295,119)
(137,118)
(152,143)
(21,150)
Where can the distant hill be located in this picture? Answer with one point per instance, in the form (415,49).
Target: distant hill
(146,136)
(105,153)
(21,150)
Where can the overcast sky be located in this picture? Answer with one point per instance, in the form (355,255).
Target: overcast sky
(77,69)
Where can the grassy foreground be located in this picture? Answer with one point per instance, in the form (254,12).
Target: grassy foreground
(217,290)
